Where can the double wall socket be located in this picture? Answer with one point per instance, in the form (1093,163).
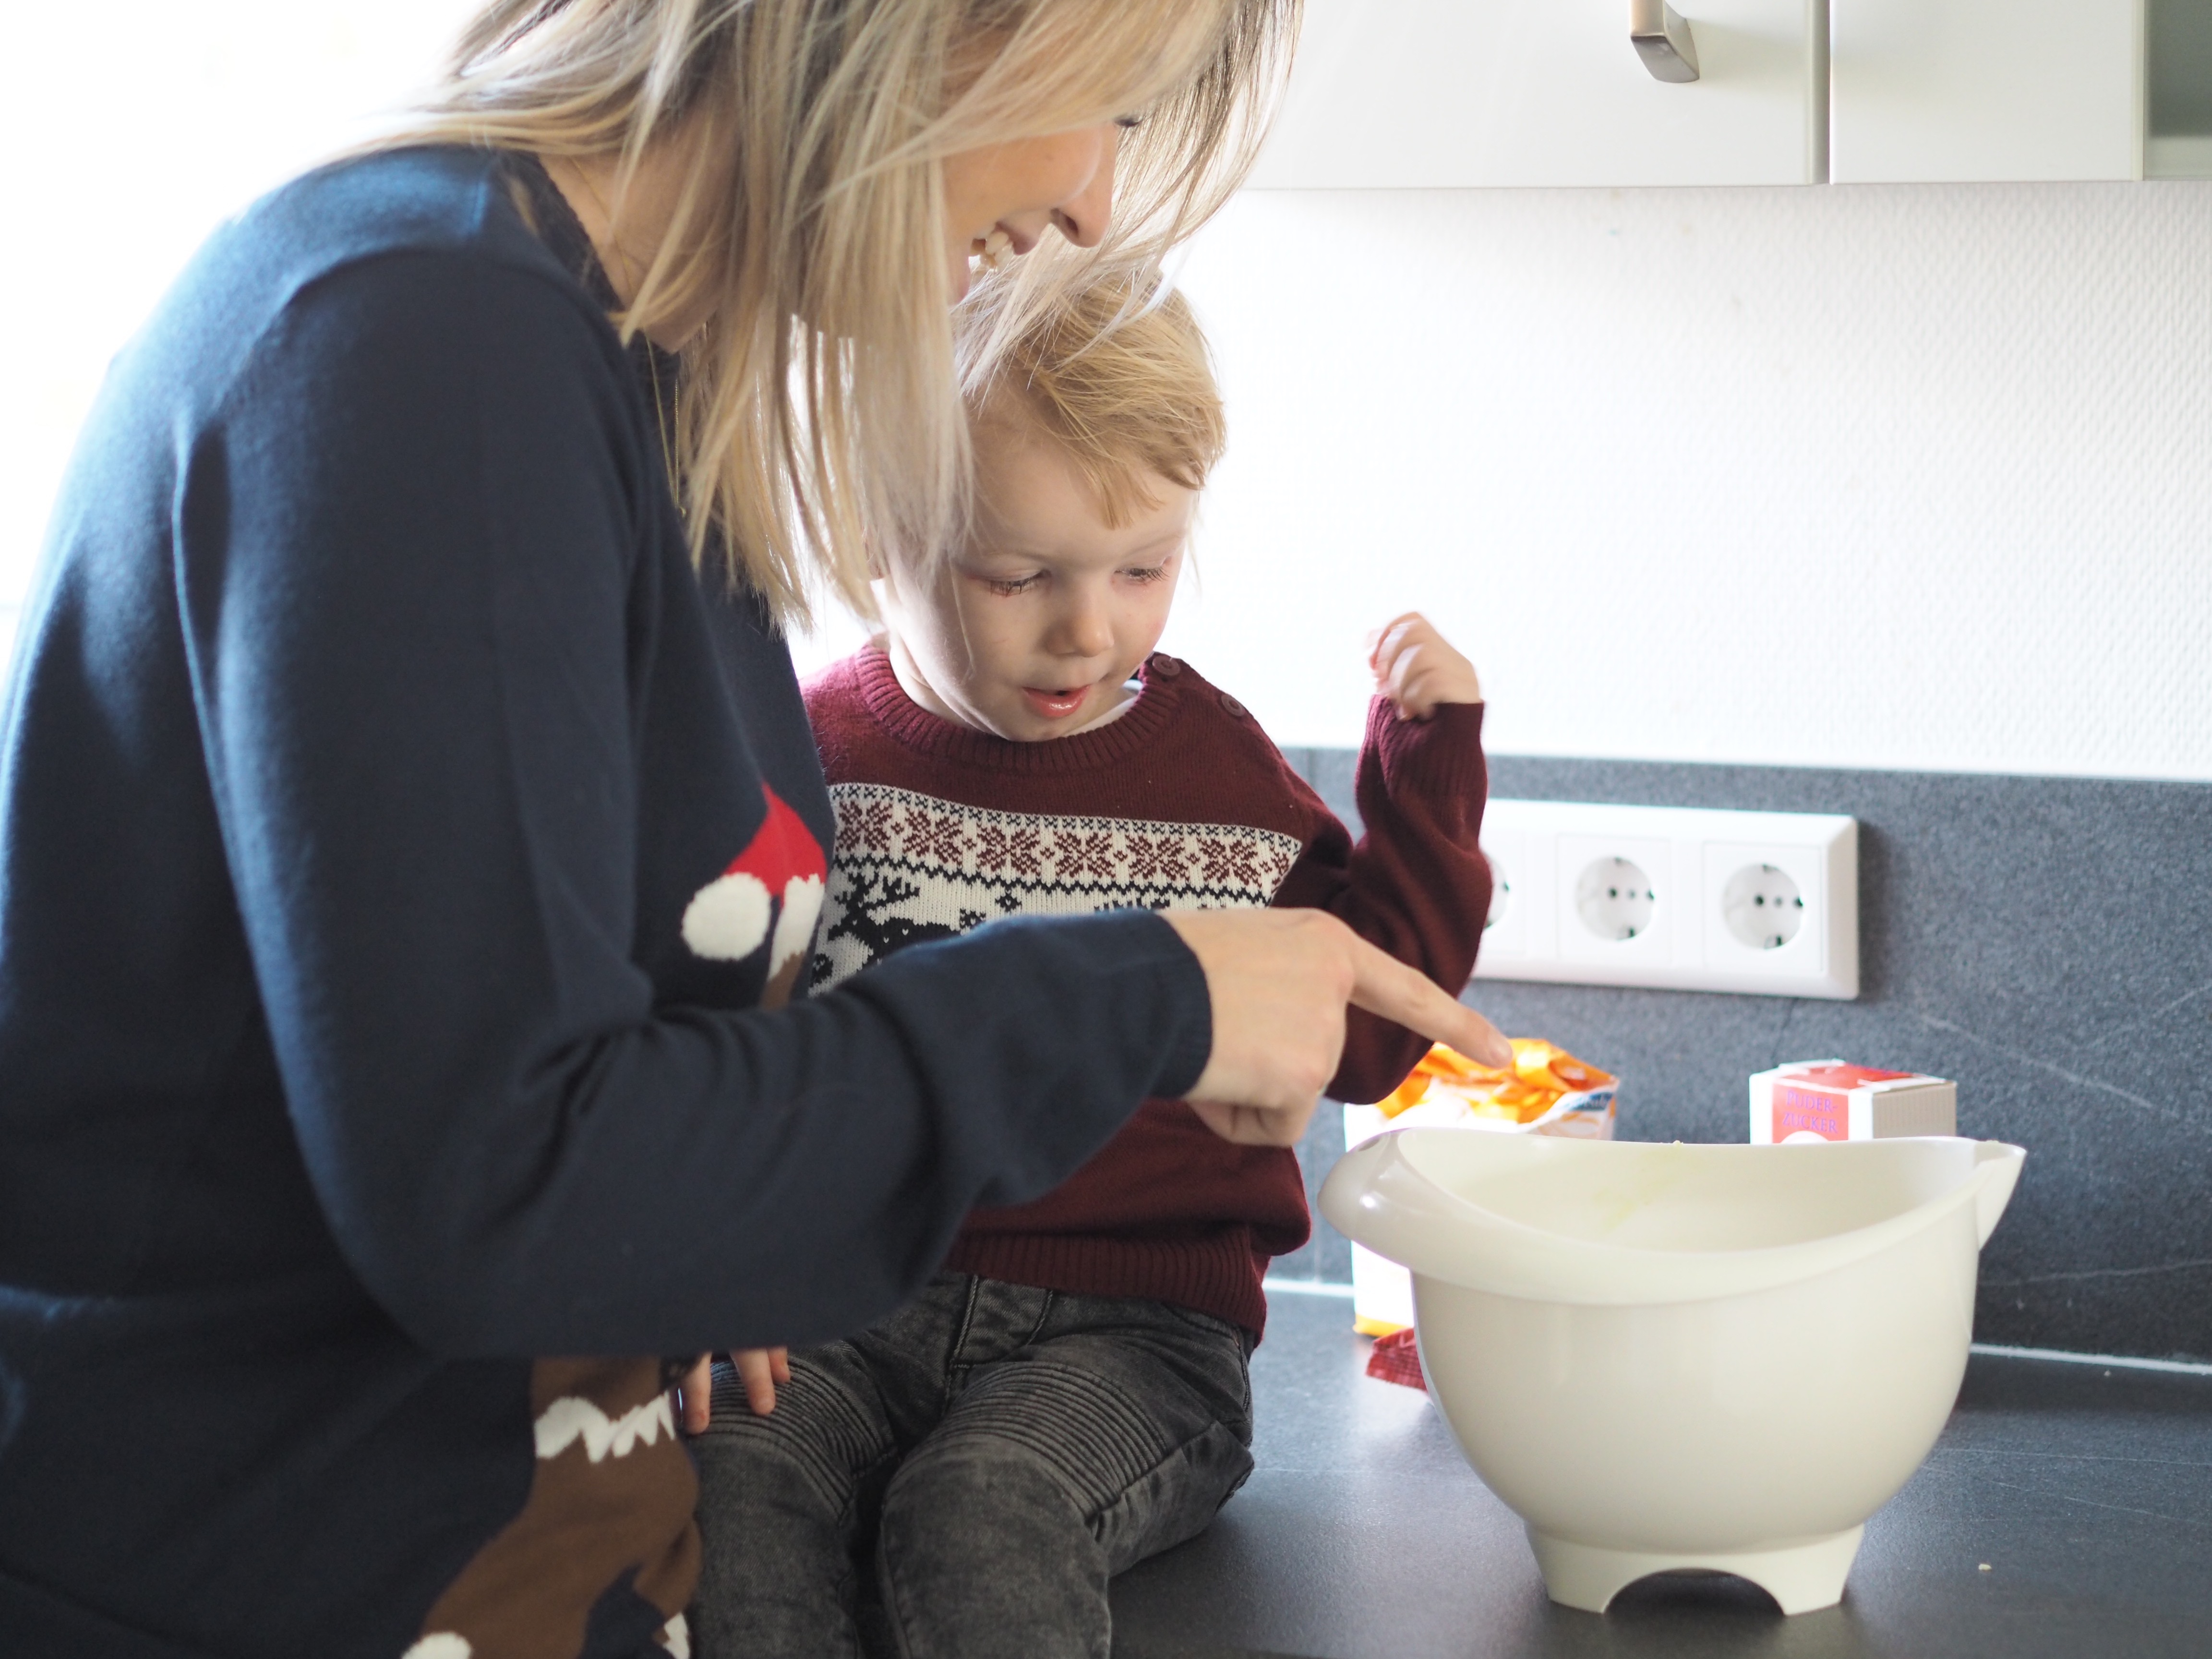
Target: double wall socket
(1681,898)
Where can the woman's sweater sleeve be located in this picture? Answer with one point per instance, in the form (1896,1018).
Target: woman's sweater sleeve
(407,553)
(1416,885)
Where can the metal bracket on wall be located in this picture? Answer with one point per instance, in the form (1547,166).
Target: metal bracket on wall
(1663,39)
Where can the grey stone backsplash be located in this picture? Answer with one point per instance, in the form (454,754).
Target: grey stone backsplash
(2047,943)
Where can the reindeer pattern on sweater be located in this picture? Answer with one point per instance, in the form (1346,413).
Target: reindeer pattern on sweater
(911,867)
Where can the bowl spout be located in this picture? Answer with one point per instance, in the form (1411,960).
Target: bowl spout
(1996,1172)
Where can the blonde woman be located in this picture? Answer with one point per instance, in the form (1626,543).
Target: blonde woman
(409,832)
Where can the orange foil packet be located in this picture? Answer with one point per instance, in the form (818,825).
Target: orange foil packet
(1540,1074)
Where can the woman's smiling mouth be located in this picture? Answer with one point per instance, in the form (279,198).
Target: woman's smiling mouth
(999,243)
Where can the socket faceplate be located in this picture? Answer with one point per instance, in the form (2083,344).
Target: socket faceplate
(1760,902)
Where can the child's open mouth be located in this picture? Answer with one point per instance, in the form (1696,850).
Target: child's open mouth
(1056,705)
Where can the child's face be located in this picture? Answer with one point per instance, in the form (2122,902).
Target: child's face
(1033,627)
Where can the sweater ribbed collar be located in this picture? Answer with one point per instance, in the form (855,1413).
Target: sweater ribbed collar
(916,729)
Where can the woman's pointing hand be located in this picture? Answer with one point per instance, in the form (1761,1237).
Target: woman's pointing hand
(1281,982)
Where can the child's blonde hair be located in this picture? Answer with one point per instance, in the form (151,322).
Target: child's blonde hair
(1117,377)
(820,413)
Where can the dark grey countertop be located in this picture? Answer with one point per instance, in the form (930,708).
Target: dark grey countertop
(2088,1491)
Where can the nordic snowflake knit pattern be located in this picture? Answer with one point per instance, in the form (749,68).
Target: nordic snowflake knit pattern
(1181,803)
(910,868)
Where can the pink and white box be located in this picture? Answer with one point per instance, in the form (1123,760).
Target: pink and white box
(1828,1100)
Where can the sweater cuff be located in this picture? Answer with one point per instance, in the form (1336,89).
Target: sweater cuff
(1193,1043)
(1439,756)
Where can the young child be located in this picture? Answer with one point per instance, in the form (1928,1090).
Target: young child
(1070,1394)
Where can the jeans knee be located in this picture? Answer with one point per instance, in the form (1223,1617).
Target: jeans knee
(744,1475)
(984,1554)
(809,1456)
(980,1496)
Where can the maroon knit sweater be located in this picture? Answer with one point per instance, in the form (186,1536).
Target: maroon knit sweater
(1181,803)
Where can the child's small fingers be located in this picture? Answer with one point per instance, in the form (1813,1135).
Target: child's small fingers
(1385,643)
(779,1364)
(1406,670)
(1410,626)
(695,1394)
(758,1374)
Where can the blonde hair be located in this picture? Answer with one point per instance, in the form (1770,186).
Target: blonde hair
(1116,377)
(820,412)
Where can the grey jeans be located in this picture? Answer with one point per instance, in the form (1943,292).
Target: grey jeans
(962,1480)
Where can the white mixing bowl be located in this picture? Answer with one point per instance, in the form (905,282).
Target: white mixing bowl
(1675,1356)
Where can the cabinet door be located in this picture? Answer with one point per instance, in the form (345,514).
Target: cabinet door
(1986,89)
(1451,92)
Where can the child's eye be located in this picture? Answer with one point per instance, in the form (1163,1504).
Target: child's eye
(1149,573)
(1009,586)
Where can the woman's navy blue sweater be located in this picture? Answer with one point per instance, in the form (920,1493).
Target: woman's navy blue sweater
(401,854)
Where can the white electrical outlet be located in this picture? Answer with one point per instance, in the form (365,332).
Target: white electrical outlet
(1682,898)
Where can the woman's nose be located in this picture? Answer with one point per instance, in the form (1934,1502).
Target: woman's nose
(1084,216)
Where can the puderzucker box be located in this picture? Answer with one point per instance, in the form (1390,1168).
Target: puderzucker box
(1828,1100)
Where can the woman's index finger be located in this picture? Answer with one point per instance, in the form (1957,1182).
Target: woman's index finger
(1384,985)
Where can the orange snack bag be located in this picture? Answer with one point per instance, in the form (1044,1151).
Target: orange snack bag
(1541,1072)
(1542,1066)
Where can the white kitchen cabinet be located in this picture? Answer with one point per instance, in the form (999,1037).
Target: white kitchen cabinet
(1458,93)
(1443,93)
(1986,89)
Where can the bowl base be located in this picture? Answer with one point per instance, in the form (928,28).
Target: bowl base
(1802,1577)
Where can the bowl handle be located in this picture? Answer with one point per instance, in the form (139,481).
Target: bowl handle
(1996,1172)
(1374,1197)
(1351,1198)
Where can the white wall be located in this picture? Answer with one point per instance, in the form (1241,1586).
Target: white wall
(139,125)
(1902,476)
(1895,477)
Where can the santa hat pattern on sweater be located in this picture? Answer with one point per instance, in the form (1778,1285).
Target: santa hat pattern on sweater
(776,881)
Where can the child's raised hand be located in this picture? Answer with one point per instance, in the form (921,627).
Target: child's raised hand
(1416,668)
